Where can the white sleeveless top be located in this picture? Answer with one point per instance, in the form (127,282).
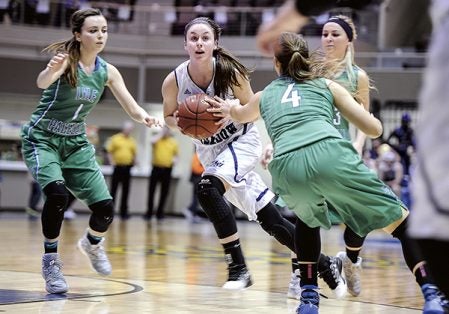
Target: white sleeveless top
(187,87)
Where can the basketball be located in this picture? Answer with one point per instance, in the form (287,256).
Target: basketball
(193,118)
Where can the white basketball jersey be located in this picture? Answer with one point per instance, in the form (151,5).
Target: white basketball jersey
(231,154)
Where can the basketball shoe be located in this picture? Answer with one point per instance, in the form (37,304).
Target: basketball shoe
(52,274)
(332,276)
(96,254)
(351,273)
(434,301)
(310,300)
(238,278)
(294,289)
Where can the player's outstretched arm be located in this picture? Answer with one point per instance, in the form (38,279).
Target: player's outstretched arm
(126,100)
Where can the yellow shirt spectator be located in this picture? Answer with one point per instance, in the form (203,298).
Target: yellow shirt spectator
(165,151)
(123,149)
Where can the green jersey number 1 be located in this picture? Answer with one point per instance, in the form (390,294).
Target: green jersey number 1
(291,95)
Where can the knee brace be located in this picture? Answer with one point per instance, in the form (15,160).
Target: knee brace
(56,197)
(102,215)
(277,226)
(210,195)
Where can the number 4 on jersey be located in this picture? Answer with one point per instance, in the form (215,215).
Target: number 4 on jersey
(291,95)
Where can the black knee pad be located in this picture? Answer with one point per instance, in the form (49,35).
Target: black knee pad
(102,215)
(210,195)
(56,197)
(277,226)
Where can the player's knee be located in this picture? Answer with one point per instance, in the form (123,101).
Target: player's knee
(352,239)
(400,230)
(210,195)
(102,215)
(277,226)
(57,197)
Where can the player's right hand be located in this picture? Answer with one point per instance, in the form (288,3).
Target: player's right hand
(58,62)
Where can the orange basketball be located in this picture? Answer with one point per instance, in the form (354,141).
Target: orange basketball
(194,119)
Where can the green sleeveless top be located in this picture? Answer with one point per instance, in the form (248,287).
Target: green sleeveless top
(297,114)
(63,109)
(340,123)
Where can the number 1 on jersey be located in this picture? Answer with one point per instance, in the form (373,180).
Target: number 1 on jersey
(291,95)
(75,115)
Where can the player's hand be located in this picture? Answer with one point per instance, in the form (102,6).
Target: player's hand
(58,63)
(267,156)
(151,121)
(288,19)
(221,108)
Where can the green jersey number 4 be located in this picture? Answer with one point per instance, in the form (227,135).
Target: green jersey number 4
(291,95)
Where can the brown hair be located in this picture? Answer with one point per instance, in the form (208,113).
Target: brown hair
(72,46)
(292,53)
(226,63)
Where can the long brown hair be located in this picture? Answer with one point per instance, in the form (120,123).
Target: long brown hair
(292,53)
(226,63)
(72,46)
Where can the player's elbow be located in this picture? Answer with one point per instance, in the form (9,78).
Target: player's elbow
(41,84)
(374,131)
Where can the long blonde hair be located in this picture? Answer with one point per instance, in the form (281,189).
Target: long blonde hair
(72,46)
(347,63)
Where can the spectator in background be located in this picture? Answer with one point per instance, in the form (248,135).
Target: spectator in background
(369,161)
(66,8)
(402,139)
(122,149)
(33,200)
(374,150)
(390,171)
(4,7)
(165,153)
(192,211)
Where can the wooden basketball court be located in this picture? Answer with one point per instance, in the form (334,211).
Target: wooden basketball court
(178,267)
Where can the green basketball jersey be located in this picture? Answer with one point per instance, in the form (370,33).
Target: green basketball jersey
(63,109)
(299,111)
(340,123)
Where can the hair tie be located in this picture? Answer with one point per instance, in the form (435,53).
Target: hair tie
(346,27)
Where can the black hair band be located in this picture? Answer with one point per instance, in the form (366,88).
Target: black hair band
(346,27)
